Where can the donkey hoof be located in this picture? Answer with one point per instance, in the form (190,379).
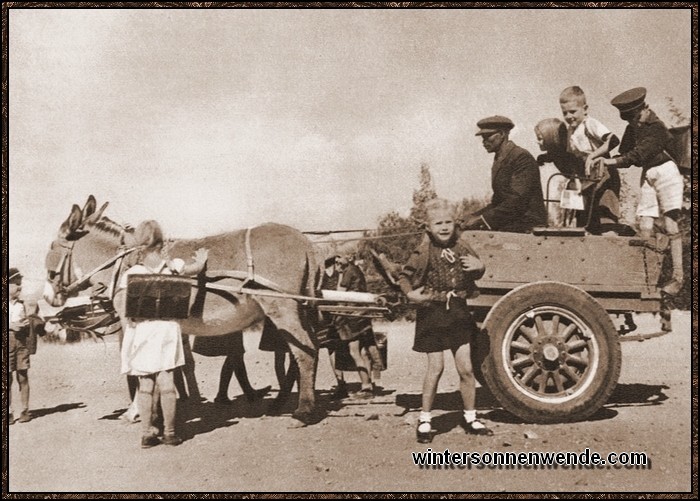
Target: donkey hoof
(307,417)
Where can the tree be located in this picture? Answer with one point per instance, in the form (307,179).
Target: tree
(423,194)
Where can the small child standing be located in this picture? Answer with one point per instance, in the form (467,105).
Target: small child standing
(152,348)
(439,277)
(552,137)
(589,140)
(18,327)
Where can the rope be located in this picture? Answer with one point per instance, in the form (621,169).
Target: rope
(329,232)
(378,237)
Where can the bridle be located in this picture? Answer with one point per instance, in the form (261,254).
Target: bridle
(96,317)
(62,275)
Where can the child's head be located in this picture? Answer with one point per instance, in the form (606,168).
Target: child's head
(551,135)
(15,283)
(441,216)
(573,105)
(149,235)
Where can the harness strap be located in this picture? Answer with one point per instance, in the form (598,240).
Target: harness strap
(75,285)
(249,257)
(215,275)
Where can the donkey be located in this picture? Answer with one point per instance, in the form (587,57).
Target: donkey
(89,248)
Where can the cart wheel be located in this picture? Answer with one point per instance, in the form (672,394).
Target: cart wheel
(555,353)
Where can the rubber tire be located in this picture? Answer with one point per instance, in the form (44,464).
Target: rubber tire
(509,308)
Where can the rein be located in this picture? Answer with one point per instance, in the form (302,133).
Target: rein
(69,289)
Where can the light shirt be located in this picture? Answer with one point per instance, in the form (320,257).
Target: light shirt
(587,137)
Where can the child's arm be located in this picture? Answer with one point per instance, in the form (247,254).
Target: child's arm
(18,325)
(200,259)
(610,143)
(473,266)
(416,295)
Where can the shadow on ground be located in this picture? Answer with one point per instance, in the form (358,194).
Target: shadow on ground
(624,395)
(37,413)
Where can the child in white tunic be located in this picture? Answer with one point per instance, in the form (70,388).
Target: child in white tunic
(152,349)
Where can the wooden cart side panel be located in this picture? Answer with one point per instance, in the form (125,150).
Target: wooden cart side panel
(593,263)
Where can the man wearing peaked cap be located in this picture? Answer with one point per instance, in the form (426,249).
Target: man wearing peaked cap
(14,276)
(517,204)
(630,100)
(646,144)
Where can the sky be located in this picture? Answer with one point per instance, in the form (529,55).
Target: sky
(210,120)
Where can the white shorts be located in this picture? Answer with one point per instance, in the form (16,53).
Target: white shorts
(661,191)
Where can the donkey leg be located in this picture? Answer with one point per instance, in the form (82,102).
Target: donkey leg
(285,315)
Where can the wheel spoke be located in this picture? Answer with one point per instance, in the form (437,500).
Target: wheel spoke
(558,381)
(518,346)
(555,325)
(541,329)
(528,332)
(530,374)
(570,373)
(542,384)
(522,362)
(576,346)
(568,332)
(577,361)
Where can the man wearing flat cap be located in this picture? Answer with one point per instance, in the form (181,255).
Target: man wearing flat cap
(646,144)
(517,204)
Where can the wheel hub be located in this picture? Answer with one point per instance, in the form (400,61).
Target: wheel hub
(548,352)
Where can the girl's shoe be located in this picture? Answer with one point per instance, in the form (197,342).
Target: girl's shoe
(24,417)
(340,392)
(148,441)
(424,437)
(171,440)
(476,429)
(364,394)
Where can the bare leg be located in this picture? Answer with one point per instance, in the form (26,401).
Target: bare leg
(467,382)
(433,373)
(467,387)
(361,362)
(225,377)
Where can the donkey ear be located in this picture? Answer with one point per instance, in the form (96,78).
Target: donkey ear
(72,223)
(89,207)
(97,215)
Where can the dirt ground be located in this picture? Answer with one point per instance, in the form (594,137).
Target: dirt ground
(77,443)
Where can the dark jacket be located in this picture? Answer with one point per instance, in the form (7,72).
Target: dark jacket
(517,204)
(645,142)
(414,273)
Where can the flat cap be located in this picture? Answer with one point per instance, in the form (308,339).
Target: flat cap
(493,124)
(630,100)
(14,276)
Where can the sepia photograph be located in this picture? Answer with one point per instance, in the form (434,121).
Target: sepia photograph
(351,249)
